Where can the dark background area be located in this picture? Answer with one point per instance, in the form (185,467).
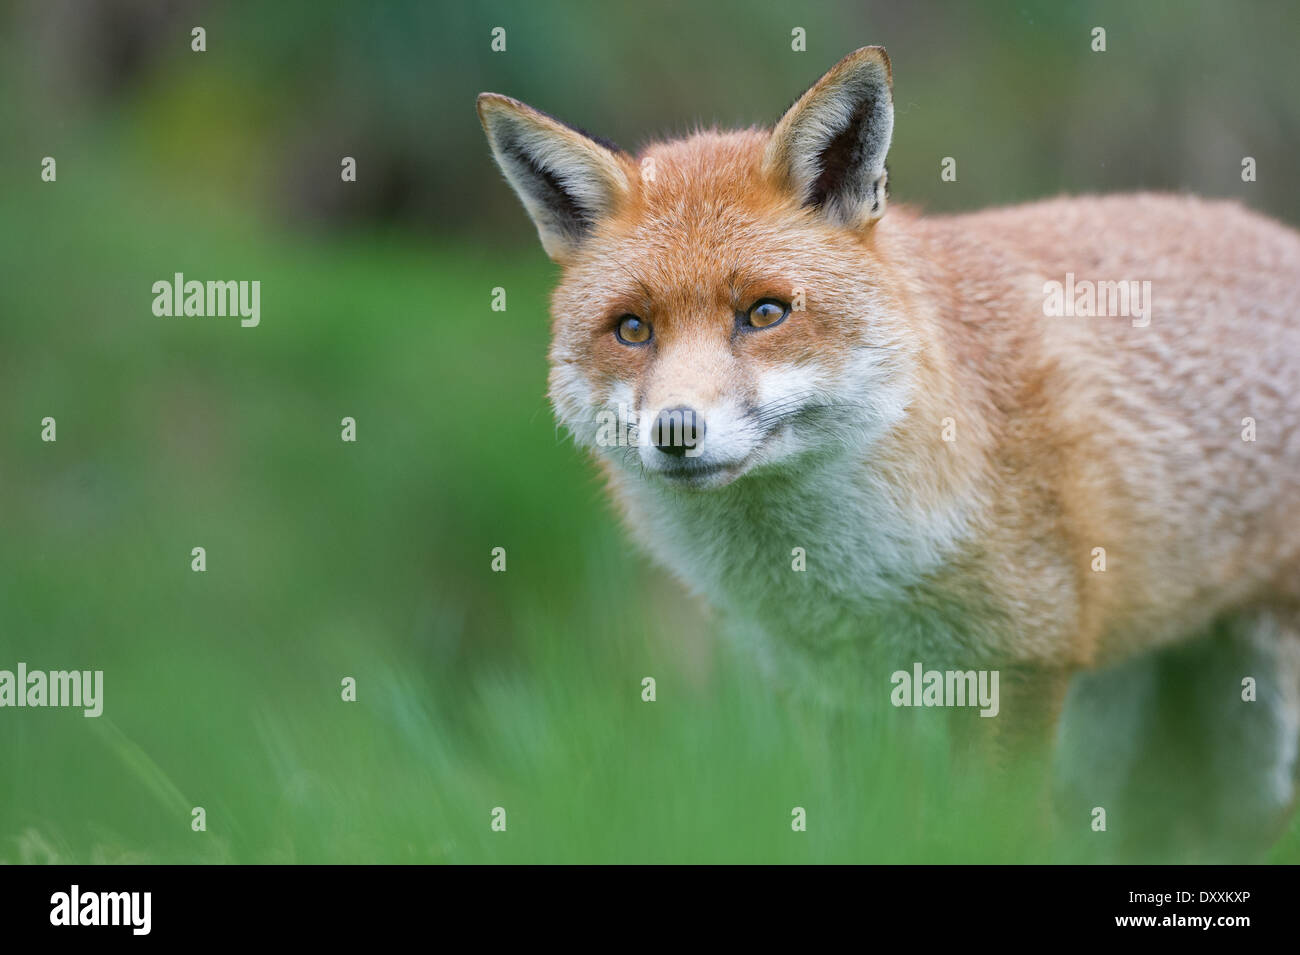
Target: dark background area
(1012,90)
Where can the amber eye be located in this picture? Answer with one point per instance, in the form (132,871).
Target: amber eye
(766,313)
(632,331)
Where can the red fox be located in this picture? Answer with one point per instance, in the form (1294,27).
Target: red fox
(1050,439)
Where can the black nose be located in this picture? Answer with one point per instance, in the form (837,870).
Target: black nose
(677,430)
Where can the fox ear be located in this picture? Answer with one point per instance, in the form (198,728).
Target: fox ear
(829,148)
(565,179)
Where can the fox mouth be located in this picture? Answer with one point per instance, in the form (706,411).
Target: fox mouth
(700,475)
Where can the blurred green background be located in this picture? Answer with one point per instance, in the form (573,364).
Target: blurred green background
(372,560)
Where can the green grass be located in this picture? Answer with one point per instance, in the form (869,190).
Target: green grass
(372,560)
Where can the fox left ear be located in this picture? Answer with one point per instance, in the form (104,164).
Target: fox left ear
(829,148)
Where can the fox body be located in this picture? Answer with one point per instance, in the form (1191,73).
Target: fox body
(969,475)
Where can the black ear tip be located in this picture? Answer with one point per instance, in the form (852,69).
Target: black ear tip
(866,55)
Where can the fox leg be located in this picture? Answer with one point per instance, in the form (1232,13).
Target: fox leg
(1105,720)
(1192,751)
(1252,742)
(1030,702)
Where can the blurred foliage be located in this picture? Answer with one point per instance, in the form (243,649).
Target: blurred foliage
(371,560)
(1013,91)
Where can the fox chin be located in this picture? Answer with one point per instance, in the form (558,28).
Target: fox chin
(1056,439)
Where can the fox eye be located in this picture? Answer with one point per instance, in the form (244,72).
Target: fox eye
(632,330)
(766,313)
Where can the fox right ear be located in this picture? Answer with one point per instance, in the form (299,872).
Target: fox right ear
(566,180)
(829,148)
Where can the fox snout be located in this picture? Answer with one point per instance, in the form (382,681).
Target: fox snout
(698,444)
(678,431)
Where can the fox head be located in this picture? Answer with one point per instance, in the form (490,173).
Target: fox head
(725,307)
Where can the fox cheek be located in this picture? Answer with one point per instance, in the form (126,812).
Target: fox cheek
(572,397)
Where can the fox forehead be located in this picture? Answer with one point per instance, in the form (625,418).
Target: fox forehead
(707,175)
(702,231)
(698,197)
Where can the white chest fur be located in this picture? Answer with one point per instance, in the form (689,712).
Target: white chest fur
(821,559)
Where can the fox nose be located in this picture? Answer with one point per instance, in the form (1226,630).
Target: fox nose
(677,430)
